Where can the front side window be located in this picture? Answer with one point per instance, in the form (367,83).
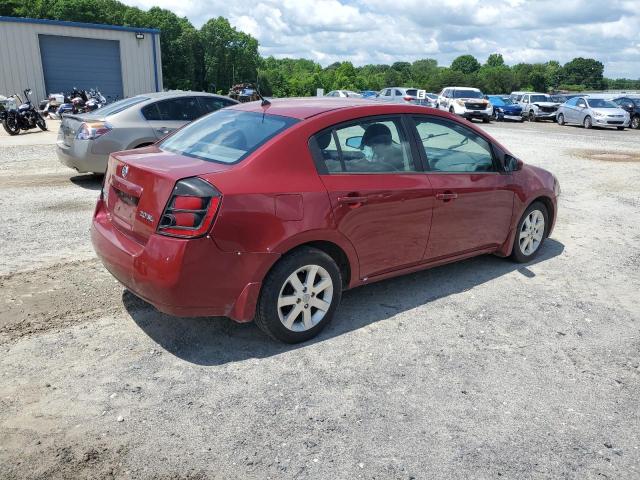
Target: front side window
(387,92)
(368,146)
(183,109)
(572,102)
(453,148)
(581,102)
(226,136)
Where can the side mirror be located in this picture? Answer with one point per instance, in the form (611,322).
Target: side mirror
(354,142)
(512,164)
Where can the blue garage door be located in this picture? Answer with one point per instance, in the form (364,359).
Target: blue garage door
(81,62)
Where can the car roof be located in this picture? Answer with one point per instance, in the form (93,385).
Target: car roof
(304,107)
(178,93)
(464,88)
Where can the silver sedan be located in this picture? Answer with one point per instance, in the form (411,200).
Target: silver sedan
(85,141)
(592,112)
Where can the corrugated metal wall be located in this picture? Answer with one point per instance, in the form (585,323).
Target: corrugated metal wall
(21,65)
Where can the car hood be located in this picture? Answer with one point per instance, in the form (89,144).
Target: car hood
(610,111)
(547,104)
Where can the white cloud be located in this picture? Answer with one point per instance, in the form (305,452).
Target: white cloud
(378,31)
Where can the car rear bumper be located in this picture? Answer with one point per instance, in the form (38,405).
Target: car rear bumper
(80,157)
(182,277)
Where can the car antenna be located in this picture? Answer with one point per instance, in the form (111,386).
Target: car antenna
(264,101)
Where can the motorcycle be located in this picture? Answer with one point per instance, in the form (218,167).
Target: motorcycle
(80,101)
(25,117)
(51,104)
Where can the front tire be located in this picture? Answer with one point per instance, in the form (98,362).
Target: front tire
(530,233)
(532,116)
(587,123)
(40,122)
(635,122)
(299,296)
(620,128)
(561,119)
(10,124)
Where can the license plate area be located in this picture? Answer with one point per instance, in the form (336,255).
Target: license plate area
(125,206)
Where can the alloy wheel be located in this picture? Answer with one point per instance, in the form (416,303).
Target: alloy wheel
(305,298)
(531,232)
(635,123)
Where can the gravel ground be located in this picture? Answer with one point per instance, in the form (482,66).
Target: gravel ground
(481,369)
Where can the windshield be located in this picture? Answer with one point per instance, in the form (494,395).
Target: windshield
(226,136)
(600,103)
(540,98)
(117,107)
(500,101)
(467,94)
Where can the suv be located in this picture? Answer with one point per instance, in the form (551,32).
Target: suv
(632,106)
(85,141)
(413,96)
(465,101)
(537,106)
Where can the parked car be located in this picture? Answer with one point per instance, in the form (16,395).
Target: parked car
(412,96)
(592,111)
(368,94)
(537,106)
(343,94)
(85,141)
(632,106)
(505,109)
(270,212)
(465,101)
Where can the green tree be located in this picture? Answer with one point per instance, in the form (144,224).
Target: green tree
(465,64)
(495,60)
(584,71)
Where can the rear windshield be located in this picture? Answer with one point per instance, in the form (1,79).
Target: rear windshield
(117,107)
(457,93)
(226,136)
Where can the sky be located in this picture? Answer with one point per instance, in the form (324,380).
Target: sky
(376,31)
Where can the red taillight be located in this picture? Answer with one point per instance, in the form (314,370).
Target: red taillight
(408,99)
(191,209)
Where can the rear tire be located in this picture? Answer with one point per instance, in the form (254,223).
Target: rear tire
(530,233)
(299,296)
(635,122)
(561,119)
(587,123)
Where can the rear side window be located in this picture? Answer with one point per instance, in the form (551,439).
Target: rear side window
(375,145)
(118,106)
(211,104)
(413,92)
(226,136)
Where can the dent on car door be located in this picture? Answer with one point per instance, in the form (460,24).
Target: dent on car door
(473,201)
(381,200)
(168,115)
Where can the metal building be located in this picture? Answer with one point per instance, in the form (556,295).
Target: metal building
(52,56)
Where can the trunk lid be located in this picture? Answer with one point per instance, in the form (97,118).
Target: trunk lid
(70,125)
(138,184)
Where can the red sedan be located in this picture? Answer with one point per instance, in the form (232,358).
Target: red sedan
(269,212)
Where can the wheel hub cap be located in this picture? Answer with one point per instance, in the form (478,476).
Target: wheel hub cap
(531,232)
(305,298)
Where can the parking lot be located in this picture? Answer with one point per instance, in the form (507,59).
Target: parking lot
(480,369)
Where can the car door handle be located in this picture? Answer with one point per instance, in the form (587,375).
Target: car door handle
(163,130)
(446,196)
(352,200)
